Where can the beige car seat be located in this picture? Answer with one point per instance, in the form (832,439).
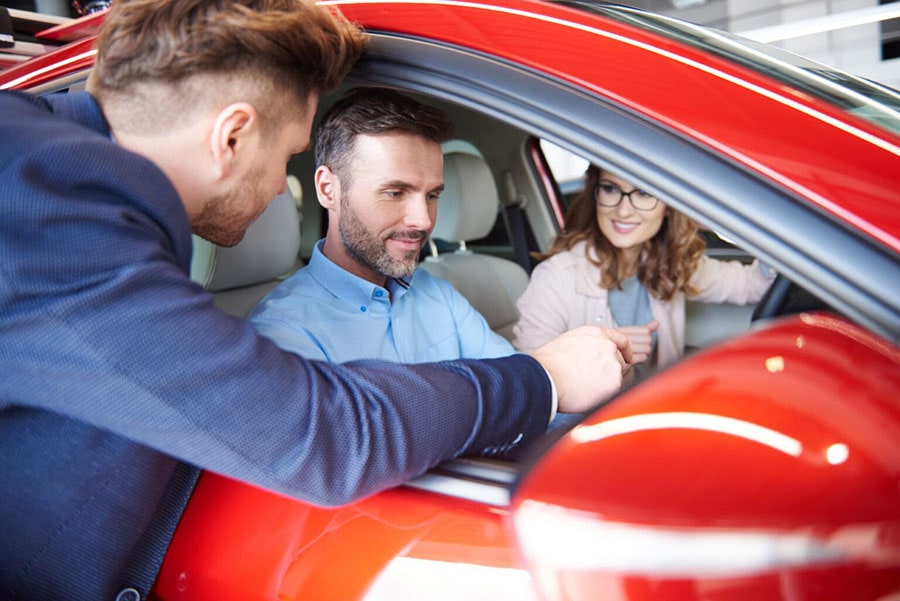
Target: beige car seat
(467,210)
(241,275)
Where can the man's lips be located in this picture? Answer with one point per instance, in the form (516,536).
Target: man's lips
(407,242)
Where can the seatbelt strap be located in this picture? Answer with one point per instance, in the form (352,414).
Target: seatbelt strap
(516,221)
(146,561)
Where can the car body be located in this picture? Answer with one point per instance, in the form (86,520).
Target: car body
(766,465)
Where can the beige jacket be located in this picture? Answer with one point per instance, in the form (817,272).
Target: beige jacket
(565,293)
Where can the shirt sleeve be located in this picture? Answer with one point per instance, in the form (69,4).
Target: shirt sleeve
(730,281)
(288,335)
(476,338)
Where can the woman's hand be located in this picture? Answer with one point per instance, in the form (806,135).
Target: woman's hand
(641,339)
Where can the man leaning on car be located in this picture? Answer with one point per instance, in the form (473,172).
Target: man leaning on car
(118,371)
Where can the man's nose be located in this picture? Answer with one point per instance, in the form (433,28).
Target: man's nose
(420,214)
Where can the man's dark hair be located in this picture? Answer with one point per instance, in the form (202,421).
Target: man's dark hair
(373,111)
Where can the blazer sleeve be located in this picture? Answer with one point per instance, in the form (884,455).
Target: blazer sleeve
(101,324)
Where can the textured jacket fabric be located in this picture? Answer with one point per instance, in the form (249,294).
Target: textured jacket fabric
(565,293)
(113,363)
(325,312)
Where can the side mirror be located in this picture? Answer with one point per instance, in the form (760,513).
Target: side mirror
(732,475)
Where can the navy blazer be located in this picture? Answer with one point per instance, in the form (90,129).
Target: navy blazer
(113,364)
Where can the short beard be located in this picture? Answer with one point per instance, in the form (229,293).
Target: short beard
(370,252)
(220,221)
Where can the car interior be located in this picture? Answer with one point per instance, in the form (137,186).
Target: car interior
(468,212)
(507,192)
(505,199)
(239,276)
(500,187)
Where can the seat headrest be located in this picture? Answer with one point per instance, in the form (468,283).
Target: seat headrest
(268,250)
(468,205)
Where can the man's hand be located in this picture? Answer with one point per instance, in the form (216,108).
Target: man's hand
(641,339)
(586,365)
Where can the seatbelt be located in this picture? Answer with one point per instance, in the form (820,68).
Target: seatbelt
(147,558)
(514,214)
(515,219)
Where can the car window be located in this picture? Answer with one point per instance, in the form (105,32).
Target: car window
(568,169)
(706,323)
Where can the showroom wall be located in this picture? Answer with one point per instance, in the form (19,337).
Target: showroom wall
(856,49)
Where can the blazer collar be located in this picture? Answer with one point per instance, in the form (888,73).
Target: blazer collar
(80,107)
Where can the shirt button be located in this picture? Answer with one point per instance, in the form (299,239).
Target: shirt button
(363,309)
(378,294)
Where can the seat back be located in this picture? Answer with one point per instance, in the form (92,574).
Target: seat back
(468,210)
(239,276)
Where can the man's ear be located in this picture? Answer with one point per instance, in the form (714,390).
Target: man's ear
(328,188)
(235,137)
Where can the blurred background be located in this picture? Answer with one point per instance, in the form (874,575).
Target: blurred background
(858,36)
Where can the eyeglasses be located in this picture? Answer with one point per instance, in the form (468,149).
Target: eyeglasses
(608,194)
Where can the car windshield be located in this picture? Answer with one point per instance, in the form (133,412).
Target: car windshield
(866,99)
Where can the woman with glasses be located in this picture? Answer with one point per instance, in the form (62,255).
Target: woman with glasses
(625,260)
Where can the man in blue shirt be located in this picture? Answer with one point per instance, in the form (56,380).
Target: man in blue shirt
(379,174)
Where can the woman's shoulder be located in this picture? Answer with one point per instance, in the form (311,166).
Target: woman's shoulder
(572,257)
(567,266)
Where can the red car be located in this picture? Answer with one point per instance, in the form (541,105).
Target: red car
(764,465)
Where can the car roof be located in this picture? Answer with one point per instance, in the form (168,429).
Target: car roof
(838,161)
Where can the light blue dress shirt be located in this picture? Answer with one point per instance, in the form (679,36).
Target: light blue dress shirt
(325,312)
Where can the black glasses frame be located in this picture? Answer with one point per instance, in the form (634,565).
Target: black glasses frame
(623,194)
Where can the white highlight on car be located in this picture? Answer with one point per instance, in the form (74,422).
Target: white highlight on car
(691,421)
(559,538)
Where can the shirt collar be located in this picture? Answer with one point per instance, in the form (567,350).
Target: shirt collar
(349,287)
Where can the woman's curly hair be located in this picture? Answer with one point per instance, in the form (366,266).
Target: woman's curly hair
(668,260)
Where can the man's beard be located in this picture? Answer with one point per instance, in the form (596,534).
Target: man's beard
(371,252)
(221,221)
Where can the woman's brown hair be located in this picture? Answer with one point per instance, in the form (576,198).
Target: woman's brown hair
(668,260)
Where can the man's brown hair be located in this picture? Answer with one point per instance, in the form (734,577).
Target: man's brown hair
(273,45)
(374,111)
